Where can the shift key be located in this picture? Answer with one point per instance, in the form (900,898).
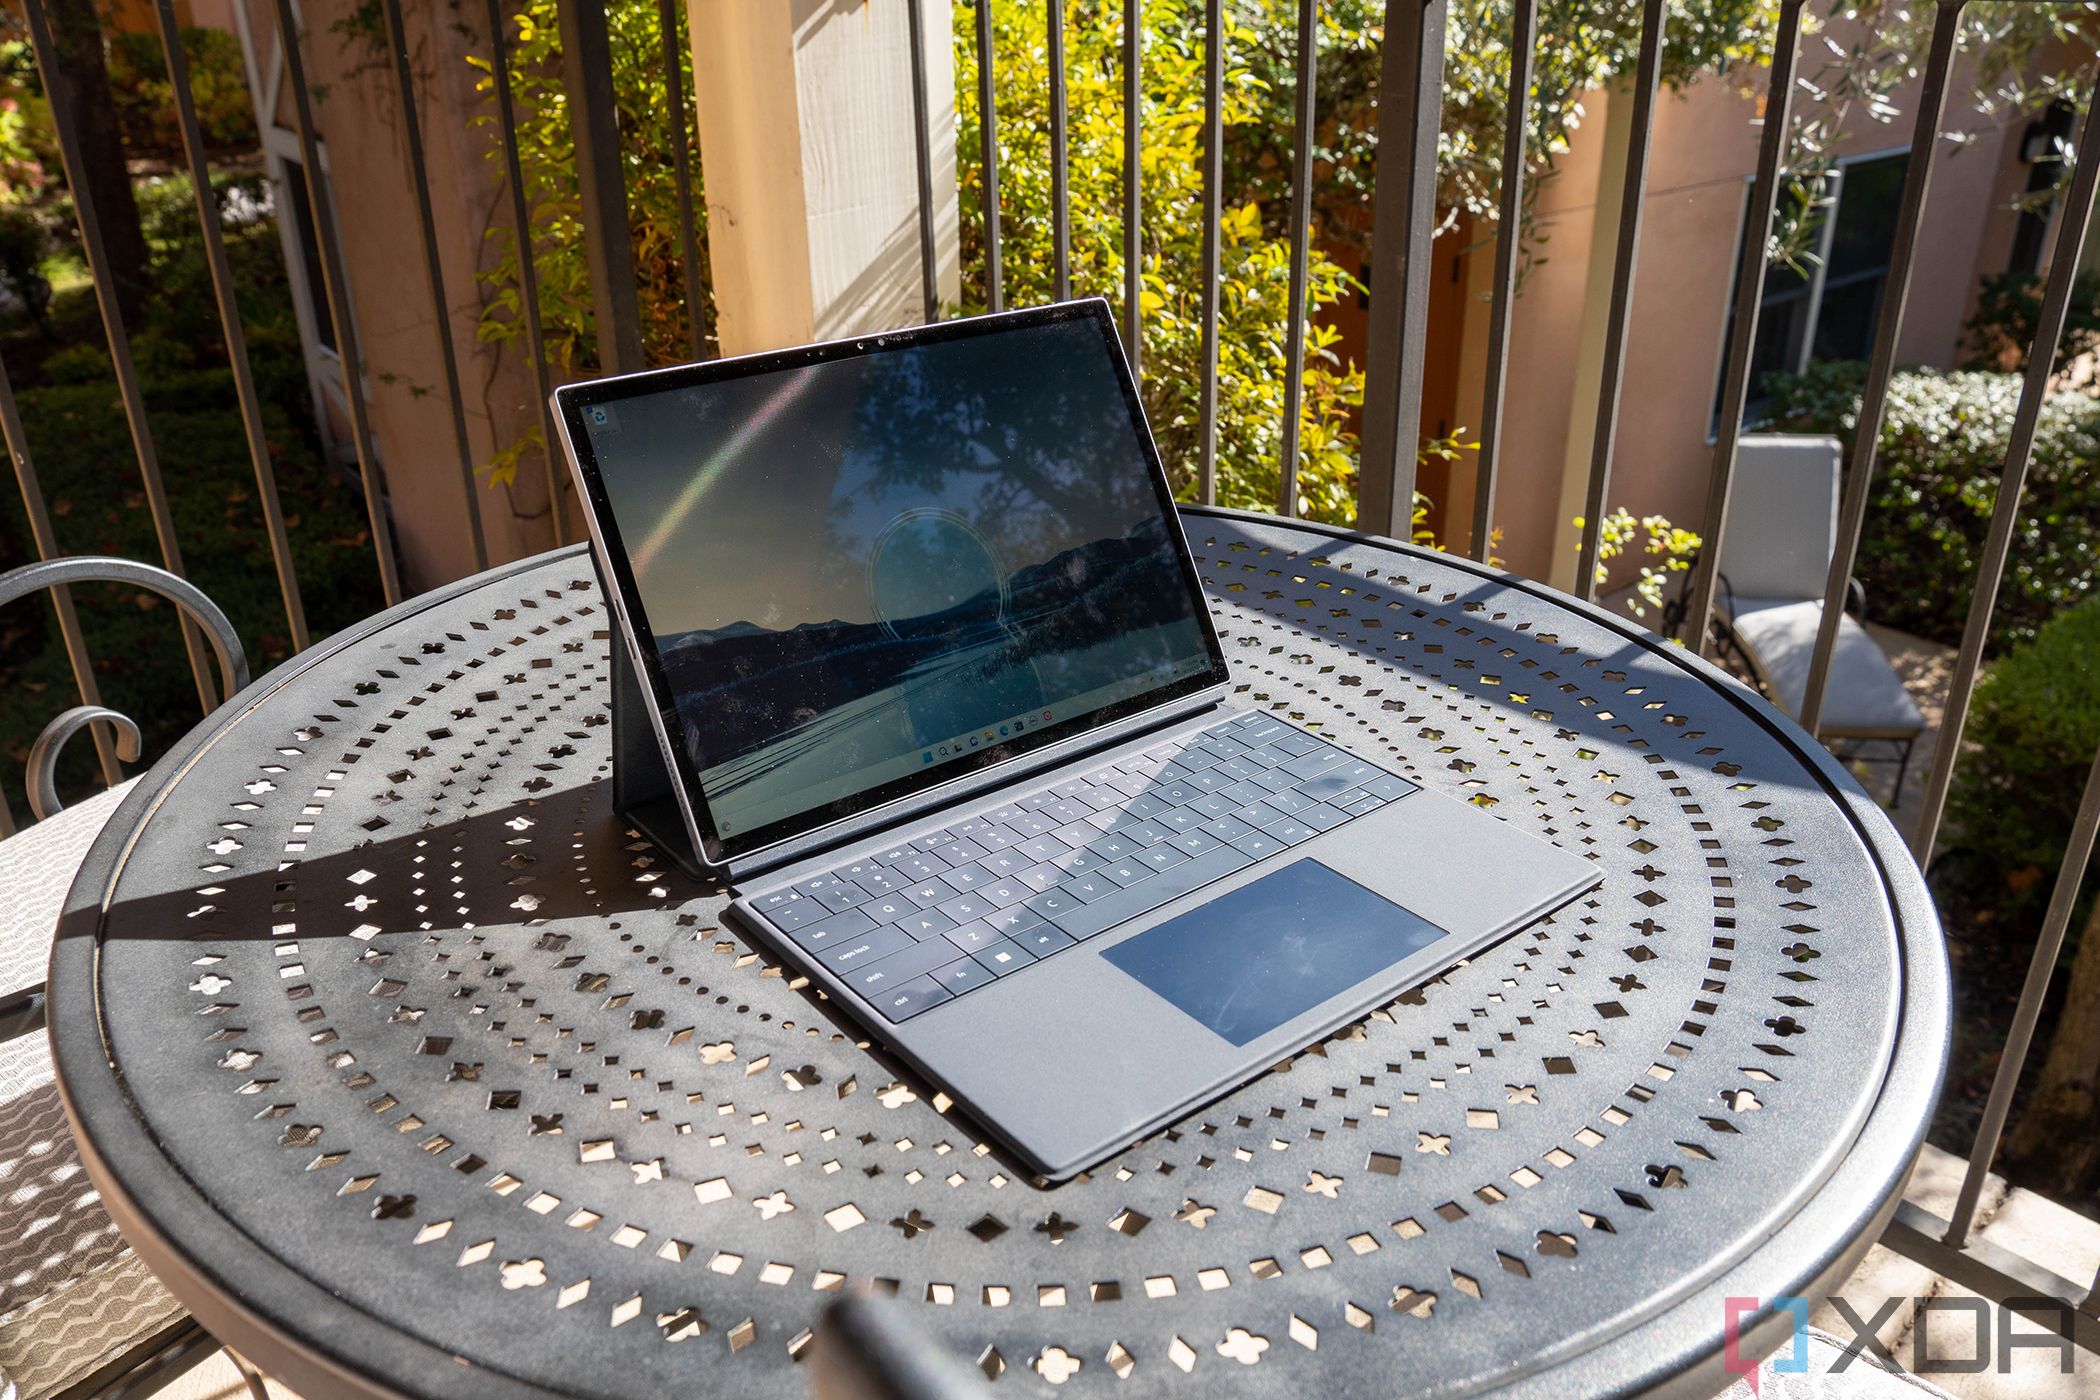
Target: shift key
(1105,913)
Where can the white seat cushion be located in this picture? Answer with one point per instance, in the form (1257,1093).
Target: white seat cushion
(36,870)
(1864,698)
(72,1294)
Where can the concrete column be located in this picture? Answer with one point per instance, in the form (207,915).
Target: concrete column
(1614,115)
(811,169)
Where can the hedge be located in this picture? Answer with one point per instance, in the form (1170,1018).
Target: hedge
(1943,445)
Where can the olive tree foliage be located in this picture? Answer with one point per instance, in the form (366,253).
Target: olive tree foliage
(1584,47)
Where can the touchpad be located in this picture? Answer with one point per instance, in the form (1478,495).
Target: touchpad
(1274,948)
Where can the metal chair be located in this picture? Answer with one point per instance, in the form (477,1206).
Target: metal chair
(1782,532)
(80,1316)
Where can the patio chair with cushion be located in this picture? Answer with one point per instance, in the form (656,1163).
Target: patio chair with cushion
(80,1315)
(1782,532)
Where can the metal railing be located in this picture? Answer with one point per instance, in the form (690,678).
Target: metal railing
(1404,224)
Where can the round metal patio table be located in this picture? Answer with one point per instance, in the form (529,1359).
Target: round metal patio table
(410,1069)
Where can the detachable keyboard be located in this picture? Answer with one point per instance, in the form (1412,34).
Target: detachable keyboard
(919,924)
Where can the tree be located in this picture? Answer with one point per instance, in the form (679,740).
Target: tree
(87,103)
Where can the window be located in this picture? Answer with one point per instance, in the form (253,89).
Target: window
(310,284)
(1830,313)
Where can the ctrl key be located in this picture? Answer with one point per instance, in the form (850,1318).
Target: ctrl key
(908,999)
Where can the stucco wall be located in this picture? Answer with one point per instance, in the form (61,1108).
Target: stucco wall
(1704,149)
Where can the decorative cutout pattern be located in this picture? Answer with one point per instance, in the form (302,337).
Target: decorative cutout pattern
(434,981)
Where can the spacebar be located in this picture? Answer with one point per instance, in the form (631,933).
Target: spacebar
(1110,910)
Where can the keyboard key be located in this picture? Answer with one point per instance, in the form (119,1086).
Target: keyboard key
(965,878)
(1290,831)
(1164,857)
(1323,817)
(875,883)
(1043,940)
(836,929)
(1334,782)
(888,910)
(1041,877)
(1297,742)
(998,838)
(795,913)
(1226,828)
(1290,802)
(963,975)
(931,840)
(871,979)
(961,851)
(1315,762)
(1358,802)
(1031,824)
(1147,833)
(1257,844)
(846,954)
(965,907)
(1052,903)
(1003,957)
(1195,843)
(1045,847)
(1000,864)
(1245,793)
(929,894)
(766,903)
(1013,920)
(973,935)
(893,854)
(1115,847)
(1211,780)
(926,923)
(1188,818)
(1390,786)
(1146,806)
(1126,872)
(1089,919)
(901,1003)
(920,866)
(1087,888)
(1080,861)
(1003,893)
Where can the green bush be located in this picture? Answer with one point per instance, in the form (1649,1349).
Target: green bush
(138,81)
(83,456)
(2032,732)
(1943,445)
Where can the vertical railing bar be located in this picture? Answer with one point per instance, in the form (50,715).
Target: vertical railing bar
(1301,238)
(1213,217)
(1133,192)
(922,150)
(682,176)
(1881,364)
(528,273)
(1509,236)
(434,275)
(46,543)
(2069,876)
(594,129)
(1060,158)
(229,310)
(1742,336)
(1625,257)
(988,130)
(339,312)
(1403,228)
(2071,228)
(84,214)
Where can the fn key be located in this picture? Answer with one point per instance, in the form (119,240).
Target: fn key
(908,999)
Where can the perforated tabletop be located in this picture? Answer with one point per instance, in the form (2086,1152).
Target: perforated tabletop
(412,1069)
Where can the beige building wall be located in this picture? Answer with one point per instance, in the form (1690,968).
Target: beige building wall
(366,161)
(1704,150)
